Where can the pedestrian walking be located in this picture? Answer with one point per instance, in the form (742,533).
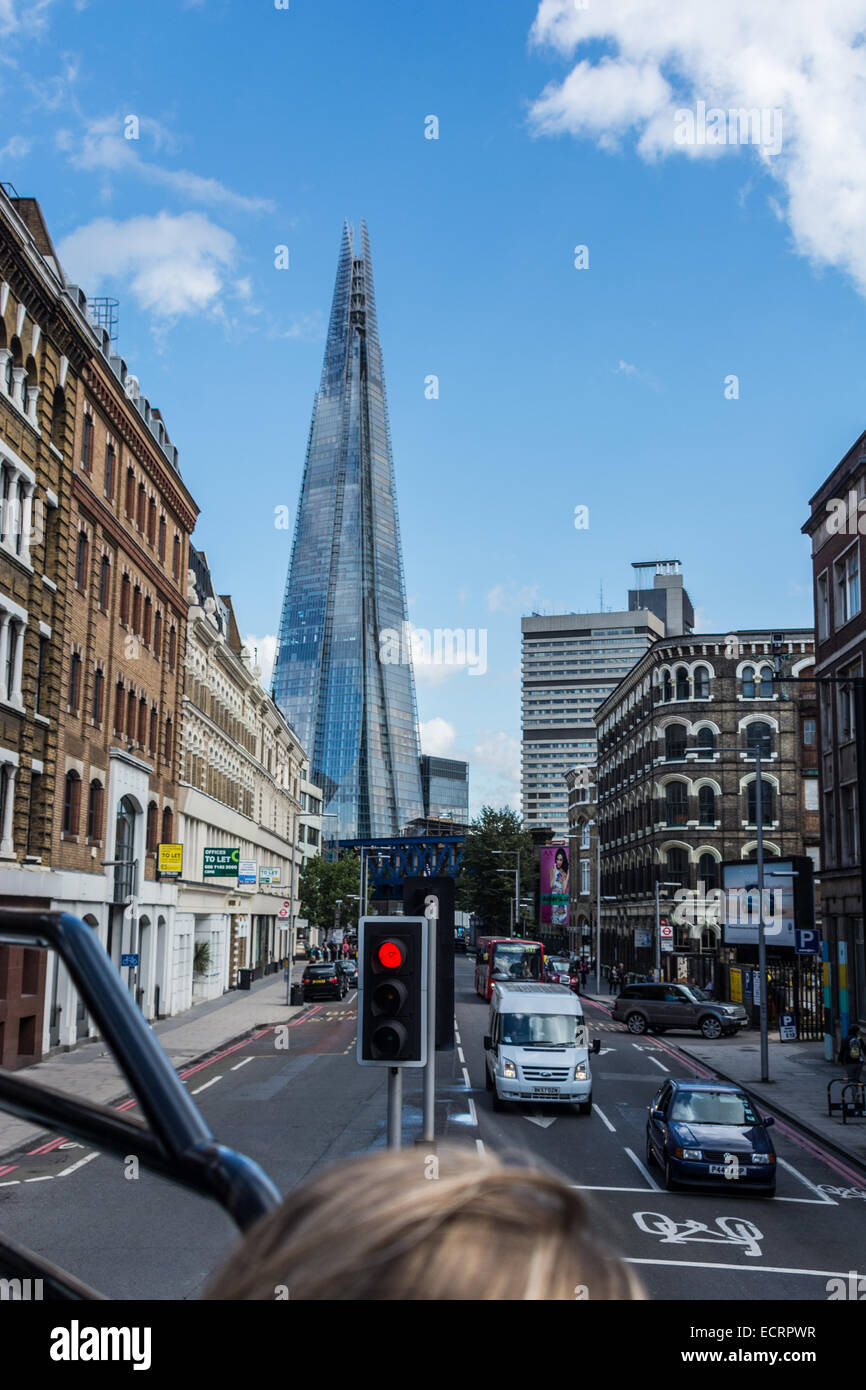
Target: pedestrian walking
(612,980)
(851,1054)
(621,977)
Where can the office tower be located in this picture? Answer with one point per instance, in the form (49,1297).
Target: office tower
(355,713)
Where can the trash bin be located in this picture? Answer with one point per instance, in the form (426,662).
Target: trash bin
(245,978)
(297,994)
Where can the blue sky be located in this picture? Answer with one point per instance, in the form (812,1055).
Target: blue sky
(558,387)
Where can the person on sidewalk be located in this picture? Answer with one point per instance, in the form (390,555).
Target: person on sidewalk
(612,980)
(851,1054)
(621,977)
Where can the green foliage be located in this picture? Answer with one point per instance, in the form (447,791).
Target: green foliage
(481,887)
(201,958)
(322,882)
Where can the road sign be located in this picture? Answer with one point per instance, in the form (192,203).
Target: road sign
(170,859)
(130,960)
(269,875)
(283,913)
(248,871)
(221,863)
(808,943)
(667,945)
(666,932)
(787,1028)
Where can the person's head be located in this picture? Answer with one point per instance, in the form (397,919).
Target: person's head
(561,860)
(411,1225)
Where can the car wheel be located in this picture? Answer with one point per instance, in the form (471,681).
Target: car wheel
(498,1105)
(711,1027)
(488,1079)
(670,1185)
(636,1023)
(585,1106)
(650,1153)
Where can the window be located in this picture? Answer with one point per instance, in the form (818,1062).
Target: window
(142,506)
(667,687)
(148,618)
(41,653)
(675,742)
(151,521)
(151,739)
(584,876)
(94,811)
(74,681)
(58,419)
(810,732)
(175,557)
(677,867)
(172,639)
(847,695)
(768,801)
(130,493)
(168,740)
(748,682)
(151,827)
(702,683)
(71,803)
(847,581)
(759,739)
(104,581)
(584,835)
(161,546)
(810,793)
(706,741)
(131,710)
(676,803)
(157,634)
(765,690)
(98,695)
(822,607)
(109,470)
(119,707)
(125,591)
(708,871)
(167,826)
(136,609)
(682,679)
(142,720)
(81,561)
(706,806)
(87,443)
(849,825)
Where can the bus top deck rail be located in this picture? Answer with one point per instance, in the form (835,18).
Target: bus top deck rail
(176,1143)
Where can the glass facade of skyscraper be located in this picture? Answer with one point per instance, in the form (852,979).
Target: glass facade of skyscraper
(354,713)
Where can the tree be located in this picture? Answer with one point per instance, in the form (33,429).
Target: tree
(481,886)
(322,882)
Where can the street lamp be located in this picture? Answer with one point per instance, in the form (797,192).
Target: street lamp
(516,880)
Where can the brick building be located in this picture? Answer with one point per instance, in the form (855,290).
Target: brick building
(673,806)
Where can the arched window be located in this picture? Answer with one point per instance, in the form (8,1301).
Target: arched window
(71,803)
(677,867)
(706,741)
(706,806)
(702,683)
(124,849)
(676,803)
(81,560)
(94,810)
(675,742)
(167,826)
(759,738)
(748,682)
(667,687)
(765,689)
(708,871)
(175,556)
(152,813)
(682,679)
(768,802)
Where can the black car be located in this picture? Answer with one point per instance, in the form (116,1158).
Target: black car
(350,970)
(324,980)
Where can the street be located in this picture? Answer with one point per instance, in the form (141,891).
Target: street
(296,1099)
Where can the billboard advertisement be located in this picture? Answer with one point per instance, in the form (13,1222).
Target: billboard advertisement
(554,886)
(742,905)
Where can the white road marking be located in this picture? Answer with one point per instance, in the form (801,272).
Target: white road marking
(73,1167)
(758,1269)
(238,1065)
(473,1116)
(467,1080)
(543,1121)
(601,1115)
(587,1187)
(644,1171)
(212,1082)
(602,1050)
(47,1178)
(797,1174)
(10,1182)
(460,1055)
(658,1063)
(479,1144)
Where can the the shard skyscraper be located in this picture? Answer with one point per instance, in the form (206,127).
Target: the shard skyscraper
(355,715)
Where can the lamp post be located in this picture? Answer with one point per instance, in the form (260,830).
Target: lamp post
(514,911)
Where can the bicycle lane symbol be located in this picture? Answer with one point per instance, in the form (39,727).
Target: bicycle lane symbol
(731,1230)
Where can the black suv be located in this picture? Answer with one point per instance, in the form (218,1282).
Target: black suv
(324,980)
(659,1007)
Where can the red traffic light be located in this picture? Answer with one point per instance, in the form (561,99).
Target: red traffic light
(390,955)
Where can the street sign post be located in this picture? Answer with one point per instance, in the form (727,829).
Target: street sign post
(807,942)
(787,1028)
(130,960)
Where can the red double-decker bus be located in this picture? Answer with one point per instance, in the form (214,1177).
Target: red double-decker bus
(502,958)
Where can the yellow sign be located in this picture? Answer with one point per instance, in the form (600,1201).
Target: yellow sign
(170,859)
(736,985)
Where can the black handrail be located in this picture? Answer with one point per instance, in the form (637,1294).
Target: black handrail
(176,1143)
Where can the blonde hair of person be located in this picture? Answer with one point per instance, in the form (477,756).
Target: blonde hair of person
(411,1225)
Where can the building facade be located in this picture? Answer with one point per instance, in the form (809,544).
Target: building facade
(242,774)
(445,789)
(835,528)
(582,860)
(343,674)
(675,803)
(570,664)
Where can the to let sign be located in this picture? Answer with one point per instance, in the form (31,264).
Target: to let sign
(170,859)
(221,863)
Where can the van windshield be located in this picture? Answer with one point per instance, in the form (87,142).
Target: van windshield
(543,1030)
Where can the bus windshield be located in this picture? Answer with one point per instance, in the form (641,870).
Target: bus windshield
(515,960)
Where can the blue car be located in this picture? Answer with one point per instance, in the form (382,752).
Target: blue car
(708,1133)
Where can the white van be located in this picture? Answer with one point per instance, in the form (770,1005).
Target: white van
(537,1047)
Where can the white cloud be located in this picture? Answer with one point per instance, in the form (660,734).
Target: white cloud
(806,60)
(173,265)
(20,19)
(306,328)
(104,147)
(15,148)
(262,652)
(629,369)
(437,737)
(509,598)
(494,771)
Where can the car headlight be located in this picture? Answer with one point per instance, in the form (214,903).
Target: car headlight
(509,1070)
(763,1158)
(580,1071)
(690,1155)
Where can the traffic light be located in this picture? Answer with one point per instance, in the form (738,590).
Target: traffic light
(392,992)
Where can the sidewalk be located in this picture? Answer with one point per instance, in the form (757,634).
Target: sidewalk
(797,1091)
(89,1071)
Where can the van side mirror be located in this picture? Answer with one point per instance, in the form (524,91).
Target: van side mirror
(596,1047)
(488,1042)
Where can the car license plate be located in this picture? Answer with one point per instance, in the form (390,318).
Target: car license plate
(545,1091)
(722,1170)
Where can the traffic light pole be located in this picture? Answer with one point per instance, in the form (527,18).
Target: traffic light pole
(395,1107)
(431,912)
